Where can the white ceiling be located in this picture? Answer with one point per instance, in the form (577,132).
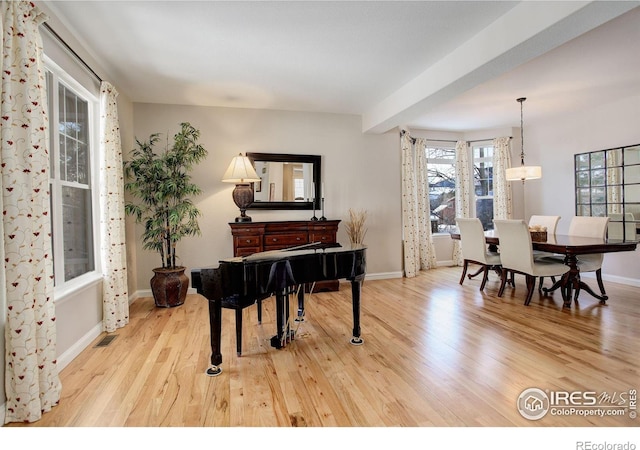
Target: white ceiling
(451,65)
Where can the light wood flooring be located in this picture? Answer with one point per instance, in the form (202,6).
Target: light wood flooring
(435,354)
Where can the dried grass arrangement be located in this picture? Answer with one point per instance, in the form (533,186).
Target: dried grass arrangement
(356,226)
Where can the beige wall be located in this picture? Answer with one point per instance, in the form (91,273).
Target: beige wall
(359,171)
(552,142)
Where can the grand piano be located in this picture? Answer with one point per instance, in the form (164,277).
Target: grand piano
(241,281)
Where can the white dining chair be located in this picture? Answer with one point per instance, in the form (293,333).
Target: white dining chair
(516,256)
(550,223)
(474,249)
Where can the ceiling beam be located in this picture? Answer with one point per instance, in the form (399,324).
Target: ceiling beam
(527,31)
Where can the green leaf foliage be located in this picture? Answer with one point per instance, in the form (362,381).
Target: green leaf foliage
(161,188)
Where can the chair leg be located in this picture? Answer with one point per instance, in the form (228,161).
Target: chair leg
(503,281)
(541,283)
(465,265)
(531,285)
(239,331)
(485,276)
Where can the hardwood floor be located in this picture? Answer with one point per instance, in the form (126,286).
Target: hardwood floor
(435,354)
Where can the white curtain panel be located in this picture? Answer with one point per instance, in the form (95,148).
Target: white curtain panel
(463,191)
(32,385)
(409,214)
(115,298)
(419,252)
(427,251)
(502,203)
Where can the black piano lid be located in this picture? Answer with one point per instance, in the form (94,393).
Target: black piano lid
(308,249)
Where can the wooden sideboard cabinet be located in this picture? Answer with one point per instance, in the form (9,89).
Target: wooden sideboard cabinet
(253,237)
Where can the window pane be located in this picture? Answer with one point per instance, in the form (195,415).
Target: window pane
(597,178)
(582,162)
(632,155)
(582,179)
(484,212)
(597,160)
(631,193)
(442,191)
(584,196)
(597,195)
(632,174)
(483,185)
(614,157)
(78,234)
(599,210)
(583,210)
(72,127)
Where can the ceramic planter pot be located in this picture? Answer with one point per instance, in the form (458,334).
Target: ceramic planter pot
(169,287)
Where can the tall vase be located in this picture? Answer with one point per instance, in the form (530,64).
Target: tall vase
(169,287)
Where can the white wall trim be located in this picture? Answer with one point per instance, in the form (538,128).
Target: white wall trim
(613,279)
(79,346)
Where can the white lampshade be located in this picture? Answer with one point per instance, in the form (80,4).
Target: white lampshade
(523,173)
(240,171)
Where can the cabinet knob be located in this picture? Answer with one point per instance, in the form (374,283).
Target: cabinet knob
(248,241)
(297,239)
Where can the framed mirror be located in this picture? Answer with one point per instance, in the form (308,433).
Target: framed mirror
(607,183)
(287,181)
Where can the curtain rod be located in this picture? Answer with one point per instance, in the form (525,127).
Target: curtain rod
(447,140)
(70,50)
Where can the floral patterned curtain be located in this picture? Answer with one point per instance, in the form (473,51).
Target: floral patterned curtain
(614,182)
(419,252)
(114,263)
(502,204)
(463,192)
(32,384)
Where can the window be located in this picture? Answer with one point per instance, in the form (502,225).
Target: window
(441,173)
(442,186)
(73,128)
(483,184)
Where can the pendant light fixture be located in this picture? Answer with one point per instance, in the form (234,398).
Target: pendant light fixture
(523,172)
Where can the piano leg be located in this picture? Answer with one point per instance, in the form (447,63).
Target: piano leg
(356,288)
(215,325)
(300,316)
(284,332)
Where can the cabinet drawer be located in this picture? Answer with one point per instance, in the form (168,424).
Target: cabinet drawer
(247,241)
(246,251)
(274,241)
(325,238)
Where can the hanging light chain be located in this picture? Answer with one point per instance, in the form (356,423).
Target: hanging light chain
(521,100)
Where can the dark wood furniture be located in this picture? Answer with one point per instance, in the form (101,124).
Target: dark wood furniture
(571,247)
(254,237)
(246,279)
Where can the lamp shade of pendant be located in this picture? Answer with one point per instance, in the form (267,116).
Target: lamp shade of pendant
(523,173)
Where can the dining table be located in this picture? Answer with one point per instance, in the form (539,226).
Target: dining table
(571,248)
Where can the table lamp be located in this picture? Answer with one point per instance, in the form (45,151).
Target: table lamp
(242,173)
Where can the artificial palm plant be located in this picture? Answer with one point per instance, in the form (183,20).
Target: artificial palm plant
(161,186)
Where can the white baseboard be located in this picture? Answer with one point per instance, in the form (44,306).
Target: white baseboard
(613,279)
(78,347)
